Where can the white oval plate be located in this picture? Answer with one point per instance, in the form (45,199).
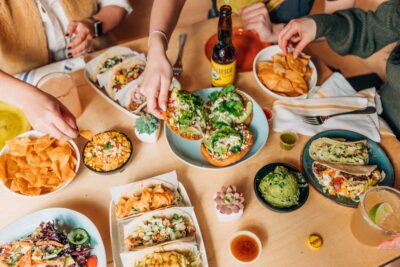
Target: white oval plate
(34,133)
(266,55)
(26,225)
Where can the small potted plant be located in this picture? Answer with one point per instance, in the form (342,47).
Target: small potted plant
(229,204)
(147,128)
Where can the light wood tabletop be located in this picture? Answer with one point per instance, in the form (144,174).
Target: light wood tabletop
(283,236)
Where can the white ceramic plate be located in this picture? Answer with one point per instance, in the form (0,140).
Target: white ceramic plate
(266,55)
(26,225)
(39,134)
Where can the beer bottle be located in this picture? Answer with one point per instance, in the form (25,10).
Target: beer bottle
(223,59)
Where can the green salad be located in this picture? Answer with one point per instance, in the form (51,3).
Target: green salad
(280,188)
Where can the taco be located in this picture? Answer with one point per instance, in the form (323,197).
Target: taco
(151,194)
(122,74)
(229,106)
(107,61)
(159,227)
(346,180)
(334,151)
(179,255)
(226,145)
(185,114)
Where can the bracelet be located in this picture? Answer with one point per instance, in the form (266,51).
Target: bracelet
(163,34)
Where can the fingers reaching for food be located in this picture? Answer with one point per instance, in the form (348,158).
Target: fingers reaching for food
(297,34)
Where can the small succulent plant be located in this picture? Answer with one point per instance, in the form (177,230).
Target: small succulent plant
(147,123)
(228,200)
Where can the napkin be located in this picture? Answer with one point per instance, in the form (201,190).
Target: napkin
(335,96)
(69,65)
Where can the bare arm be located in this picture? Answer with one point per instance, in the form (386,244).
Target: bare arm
(44,112)
(158,72)
(111,16)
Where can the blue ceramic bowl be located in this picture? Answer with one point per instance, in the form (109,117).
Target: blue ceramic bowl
(303,187)
(189,151)
(376,157)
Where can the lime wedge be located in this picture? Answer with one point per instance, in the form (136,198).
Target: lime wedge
(380,212)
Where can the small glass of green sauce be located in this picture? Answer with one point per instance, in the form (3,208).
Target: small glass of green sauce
(288,140)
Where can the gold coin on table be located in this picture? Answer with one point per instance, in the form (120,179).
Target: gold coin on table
(315,241)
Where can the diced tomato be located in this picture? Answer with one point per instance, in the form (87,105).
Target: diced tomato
(170,102)
(337,182)
(91,261)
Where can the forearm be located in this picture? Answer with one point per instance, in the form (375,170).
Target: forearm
(164,16)
(14,91)
(110,16)
(359,32)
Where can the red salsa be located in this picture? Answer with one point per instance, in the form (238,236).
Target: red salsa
(244,248)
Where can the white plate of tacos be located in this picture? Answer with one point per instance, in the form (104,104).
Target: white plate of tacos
(162,197)
(342,165)
(116,75)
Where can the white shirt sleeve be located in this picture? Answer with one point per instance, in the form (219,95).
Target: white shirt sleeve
(121,3)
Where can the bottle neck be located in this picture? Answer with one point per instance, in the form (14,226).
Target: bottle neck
(225,30)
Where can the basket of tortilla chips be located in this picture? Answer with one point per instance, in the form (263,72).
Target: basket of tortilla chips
(34,164)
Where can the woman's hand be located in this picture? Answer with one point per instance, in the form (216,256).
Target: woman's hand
(46,114)
(297,34)
(82,42)
(256,18)
(157,80)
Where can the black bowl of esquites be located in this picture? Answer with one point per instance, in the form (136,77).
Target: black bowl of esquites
(281,187)
(107,152)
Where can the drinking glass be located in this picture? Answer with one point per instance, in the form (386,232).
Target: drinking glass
(364,229)
(62,86)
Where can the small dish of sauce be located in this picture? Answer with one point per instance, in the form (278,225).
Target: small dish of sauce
(245,247)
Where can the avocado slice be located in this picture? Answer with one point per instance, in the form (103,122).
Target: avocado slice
(246,113)
(69,261)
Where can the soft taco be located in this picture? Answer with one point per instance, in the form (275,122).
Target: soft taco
(335,151)
(229,106)
(346,180)
(122,74)
(185,114)
(151,194)
(226,145)
(178,254)
(159,228)
(132,99)
(107,61)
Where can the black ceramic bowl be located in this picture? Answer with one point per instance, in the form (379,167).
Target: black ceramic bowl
(270,168)
(120,168)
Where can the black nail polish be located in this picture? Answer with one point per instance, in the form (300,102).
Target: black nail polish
(69,48)
(67,34)
(69,55)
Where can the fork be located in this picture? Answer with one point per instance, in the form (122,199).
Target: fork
(177,68)
(318,120)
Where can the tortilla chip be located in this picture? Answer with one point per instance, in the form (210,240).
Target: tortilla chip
(18,146)
(60,154)
(41,144)
(3,169)
(67,173)
(87,134)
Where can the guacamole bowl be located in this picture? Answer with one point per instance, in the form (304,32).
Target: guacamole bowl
(281,187)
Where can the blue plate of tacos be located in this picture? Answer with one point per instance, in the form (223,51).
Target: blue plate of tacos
(342,165)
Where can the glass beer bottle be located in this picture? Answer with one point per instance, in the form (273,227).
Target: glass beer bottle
(223,59)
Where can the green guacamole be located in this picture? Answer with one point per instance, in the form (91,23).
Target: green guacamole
(280,188)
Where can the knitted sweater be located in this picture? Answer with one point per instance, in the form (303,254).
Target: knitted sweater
(363,33)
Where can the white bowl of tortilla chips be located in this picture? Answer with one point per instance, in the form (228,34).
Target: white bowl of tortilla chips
(284,77)
(36,165)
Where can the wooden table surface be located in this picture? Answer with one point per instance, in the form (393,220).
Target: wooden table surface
(283,235)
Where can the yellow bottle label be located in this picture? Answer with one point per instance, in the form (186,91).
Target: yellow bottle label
(222,75)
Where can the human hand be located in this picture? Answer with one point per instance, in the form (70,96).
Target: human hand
(84,34)
(157,79)
(46,114)
(297,34)
(256,18)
